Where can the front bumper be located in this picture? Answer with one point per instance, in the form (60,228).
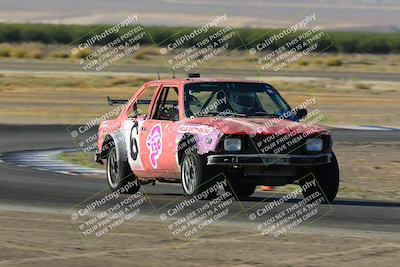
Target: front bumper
(97,158)
(268,159)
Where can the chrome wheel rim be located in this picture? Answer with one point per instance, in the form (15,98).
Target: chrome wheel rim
(112,168)
(188,173)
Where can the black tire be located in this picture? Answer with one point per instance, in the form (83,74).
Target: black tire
(196,179)
(240,190)
(327,178)
(119,174)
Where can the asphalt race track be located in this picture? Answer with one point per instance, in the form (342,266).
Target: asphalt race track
(29,188)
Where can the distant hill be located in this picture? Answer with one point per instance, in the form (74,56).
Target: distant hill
(344,15)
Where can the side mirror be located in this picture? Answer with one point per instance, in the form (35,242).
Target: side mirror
(301,113)
(134,112)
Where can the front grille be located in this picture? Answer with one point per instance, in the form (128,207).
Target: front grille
(277,144)
(282,144)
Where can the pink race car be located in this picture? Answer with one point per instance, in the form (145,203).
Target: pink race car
(199,131)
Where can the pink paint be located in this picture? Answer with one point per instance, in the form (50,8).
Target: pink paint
(154,144)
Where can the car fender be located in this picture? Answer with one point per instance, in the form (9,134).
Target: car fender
(203,138)
(119,142)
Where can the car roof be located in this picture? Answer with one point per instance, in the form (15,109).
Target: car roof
(201,80)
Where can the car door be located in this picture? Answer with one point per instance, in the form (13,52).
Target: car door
(137,115)
(158,135)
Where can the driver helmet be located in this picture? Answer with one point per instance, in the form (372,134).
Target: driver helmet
(242,102)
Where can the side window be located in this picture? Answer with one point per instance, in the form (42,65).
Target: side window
(143,102)
(167,105)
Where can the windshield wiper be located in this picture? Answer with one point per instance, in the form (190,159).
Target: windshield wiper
(226,113)
(263,113)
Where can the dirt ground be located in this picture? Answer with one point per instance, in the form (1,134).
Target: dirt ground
(75,99)
(369,171)
(50,239)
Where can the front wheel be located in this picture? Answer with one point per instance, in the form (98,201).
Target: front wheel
(327,180)
(196,179)
(119,175)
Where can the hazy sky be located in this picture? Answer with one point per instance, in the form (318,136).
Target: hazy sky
(370,15)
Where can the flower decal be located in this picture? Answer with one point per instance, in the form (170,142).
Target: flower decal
(154,144)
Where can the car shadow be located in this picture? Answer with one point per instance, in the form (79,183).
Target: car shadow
(342,202)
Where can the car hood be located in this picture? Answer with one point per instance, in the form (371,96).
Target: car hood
(265,126)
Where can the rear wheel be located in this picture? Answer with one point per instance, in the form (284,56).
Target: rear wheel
(195,178)
(327,180)
(119,174)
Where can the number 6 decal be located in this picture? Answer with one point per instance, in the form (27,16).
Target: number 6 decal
(134,146)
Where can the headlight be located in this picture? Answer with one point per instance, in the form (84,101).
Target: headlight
(232,144)
(314,144)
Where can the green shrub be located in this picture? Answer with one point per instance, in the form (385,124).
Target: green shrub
(303,62)
(343,42)
(82,53)
(362,86)
(139,55)
(335,62)
(35,54)
(18,52)
(5,51)
(58,54)
(318,62)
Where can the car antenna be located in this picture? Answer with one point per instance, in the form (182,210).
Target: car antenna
(158,74)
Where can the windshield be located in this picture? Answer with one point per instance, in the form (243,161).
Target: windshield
(232,98)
